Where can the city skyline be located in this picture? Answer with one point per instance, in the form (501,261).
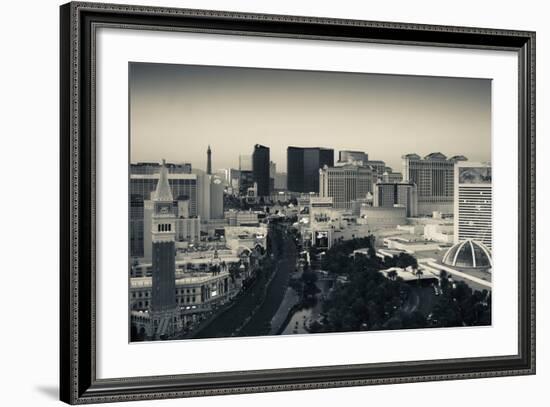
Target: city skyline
(342,243)
(386,116)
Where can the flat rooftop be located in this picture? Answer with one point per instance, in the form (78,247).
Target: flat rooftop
(146,282)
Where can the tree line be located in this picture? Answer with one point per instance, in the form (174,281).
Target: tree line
(368,300)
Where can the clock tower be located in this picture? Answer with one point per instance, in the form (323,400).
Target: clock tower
(164,315)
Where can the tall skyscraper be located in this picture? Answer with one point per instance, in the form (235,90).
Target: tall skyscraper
(434,178)
(280,180)
(163,290)
(216,197)
(246,181)
(473,203)
(231,177)
(272,175)
(260,169)
(387,195)
(345,184)
(209,161)
(303,164)
(378,167)
(245,162)
(210,196)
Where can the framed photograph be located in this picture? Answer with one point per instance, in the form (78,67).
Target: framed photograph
(255,203)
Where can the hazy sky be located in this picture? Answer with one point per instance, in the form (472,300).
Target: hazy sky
(177,110)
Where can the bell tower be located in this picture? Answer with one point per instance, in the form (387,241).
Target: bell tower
(163,290)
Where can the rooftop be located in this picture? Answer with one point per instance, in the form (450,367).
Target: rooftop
(146,282)
(469,254)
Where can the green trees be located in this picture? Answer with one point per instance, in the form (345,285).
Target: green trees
(459,305)
(370,301)
(402,260)
(419,275)
(309,288)
(338,259)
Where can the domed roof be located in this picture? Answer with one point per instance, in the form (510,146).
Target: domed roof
(436,156)
(468,254)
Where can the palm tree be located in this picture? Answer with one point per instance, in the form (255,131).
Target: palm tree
(419,274)
(392,275)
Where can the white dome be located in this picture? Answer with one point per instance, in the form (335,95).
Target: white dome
(468,254)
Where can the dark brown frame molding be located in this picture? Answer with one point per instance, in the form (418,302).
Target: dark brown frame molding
(78,381)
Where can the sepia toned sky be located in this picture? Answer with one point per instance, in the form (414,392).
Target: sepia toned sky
(176,111)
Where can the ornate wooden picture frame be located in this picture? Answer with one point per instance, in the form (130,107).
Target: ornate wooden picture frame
(78,372)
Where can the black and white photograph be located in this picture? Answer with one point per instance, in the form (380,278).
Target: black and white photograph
(257,202)
(294,202)
(275,203)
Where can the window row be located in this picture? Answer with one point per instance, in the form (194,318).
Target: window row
(162,227)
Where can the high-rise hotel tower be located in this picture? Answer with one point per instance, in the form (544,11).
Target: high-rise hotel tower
(303,165)
(434,179)
(473,202)
(345,184)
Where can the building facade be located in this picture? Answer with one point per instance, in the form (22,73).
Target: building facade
(390,176)
(434,178)
(246,181)
(245,162)
(280,181)
(182,186)
(378,167)
(210,196)
(345,184)
(473,203)
(241,218)
(187,229)
(383,218)
(272,176)
(154,168)
(260,169)
(143,182)
(388,195)
(303,164)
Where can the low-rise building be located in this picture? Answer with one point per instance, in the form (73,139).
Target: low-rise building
(439,233)
(382,218)
(249,237)
(388,194)
(241,218)
(410,244)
